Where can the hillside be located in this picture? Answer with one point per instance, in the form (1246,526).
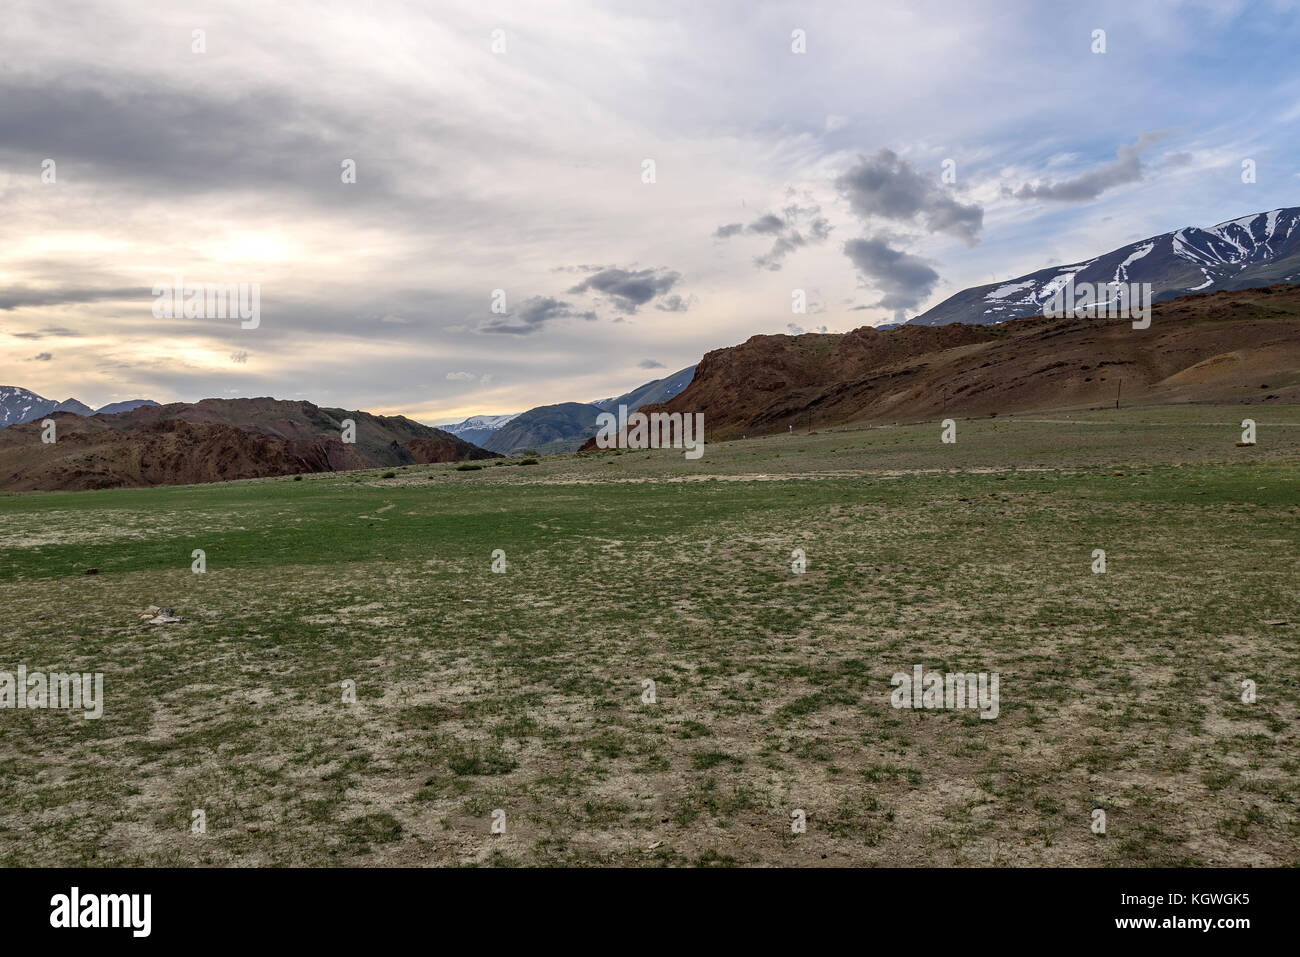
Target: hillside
(214,440)
(660,390)
(1241,346)
(546,429)
(551,429)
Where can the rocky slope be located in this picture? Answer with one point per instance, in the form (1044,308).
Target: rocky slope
(211,441)
(1224,347)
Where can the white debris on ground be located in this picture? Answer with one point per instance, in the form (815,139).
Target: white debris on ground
(153,615)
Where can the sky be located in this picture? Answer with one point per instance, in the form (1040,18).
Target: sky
(454,208)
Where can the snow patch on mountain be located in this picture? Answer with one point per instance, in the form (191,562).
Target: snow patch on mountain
(1249,251)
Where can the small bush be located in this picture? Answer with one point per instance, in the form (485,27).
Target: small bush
(528,462)
(467,467)
(389,475)
(489,761)
(380,828)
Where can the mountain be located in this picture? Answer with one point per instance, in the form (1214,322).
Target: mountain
(660,390)
(477,428)
(214,440)
(547,429)
(73,406)
(115,407)
(1253,251)
(22,405)
(1232,346)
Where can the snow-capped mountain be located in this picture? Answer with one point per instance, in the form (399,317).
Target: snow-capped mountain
(19,405)
(1256,250)
(22,405)
(477,428)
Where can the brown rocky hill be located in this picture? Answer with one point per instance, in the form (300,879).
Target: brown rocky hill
(1221,347)
(214,440)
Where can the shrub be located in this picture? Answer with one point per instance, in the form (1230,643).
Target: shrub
(489,761)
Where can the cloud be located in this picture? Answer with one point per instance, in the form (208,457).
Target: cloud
(47,331)
(461,377)
(20,296)
(787,230)
(1127,168)
(767,225)
(649,364)
(239,357)
(794,330)
(629,289)
(673,303)
(41,357)
(904,279)
(535,312)
(887,186)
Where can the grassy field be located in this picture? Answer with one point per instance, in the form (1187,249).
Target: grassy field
(522,691)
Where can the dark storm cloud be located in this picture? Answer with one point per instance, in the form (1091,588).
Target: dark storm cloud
(535,313)
(904,279)
(650,364)
(888,186)
(629,289)
(731,229)
(41,357)
(1127,168)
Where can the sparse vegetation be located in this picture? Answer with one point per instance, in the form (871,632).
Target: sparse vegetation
(522,691)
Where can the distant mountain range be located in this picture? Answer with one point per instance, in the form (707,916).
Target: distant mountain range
(477,428)
(563,427)
(546,430)
(1253,251)
(21,405)
(214,440)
